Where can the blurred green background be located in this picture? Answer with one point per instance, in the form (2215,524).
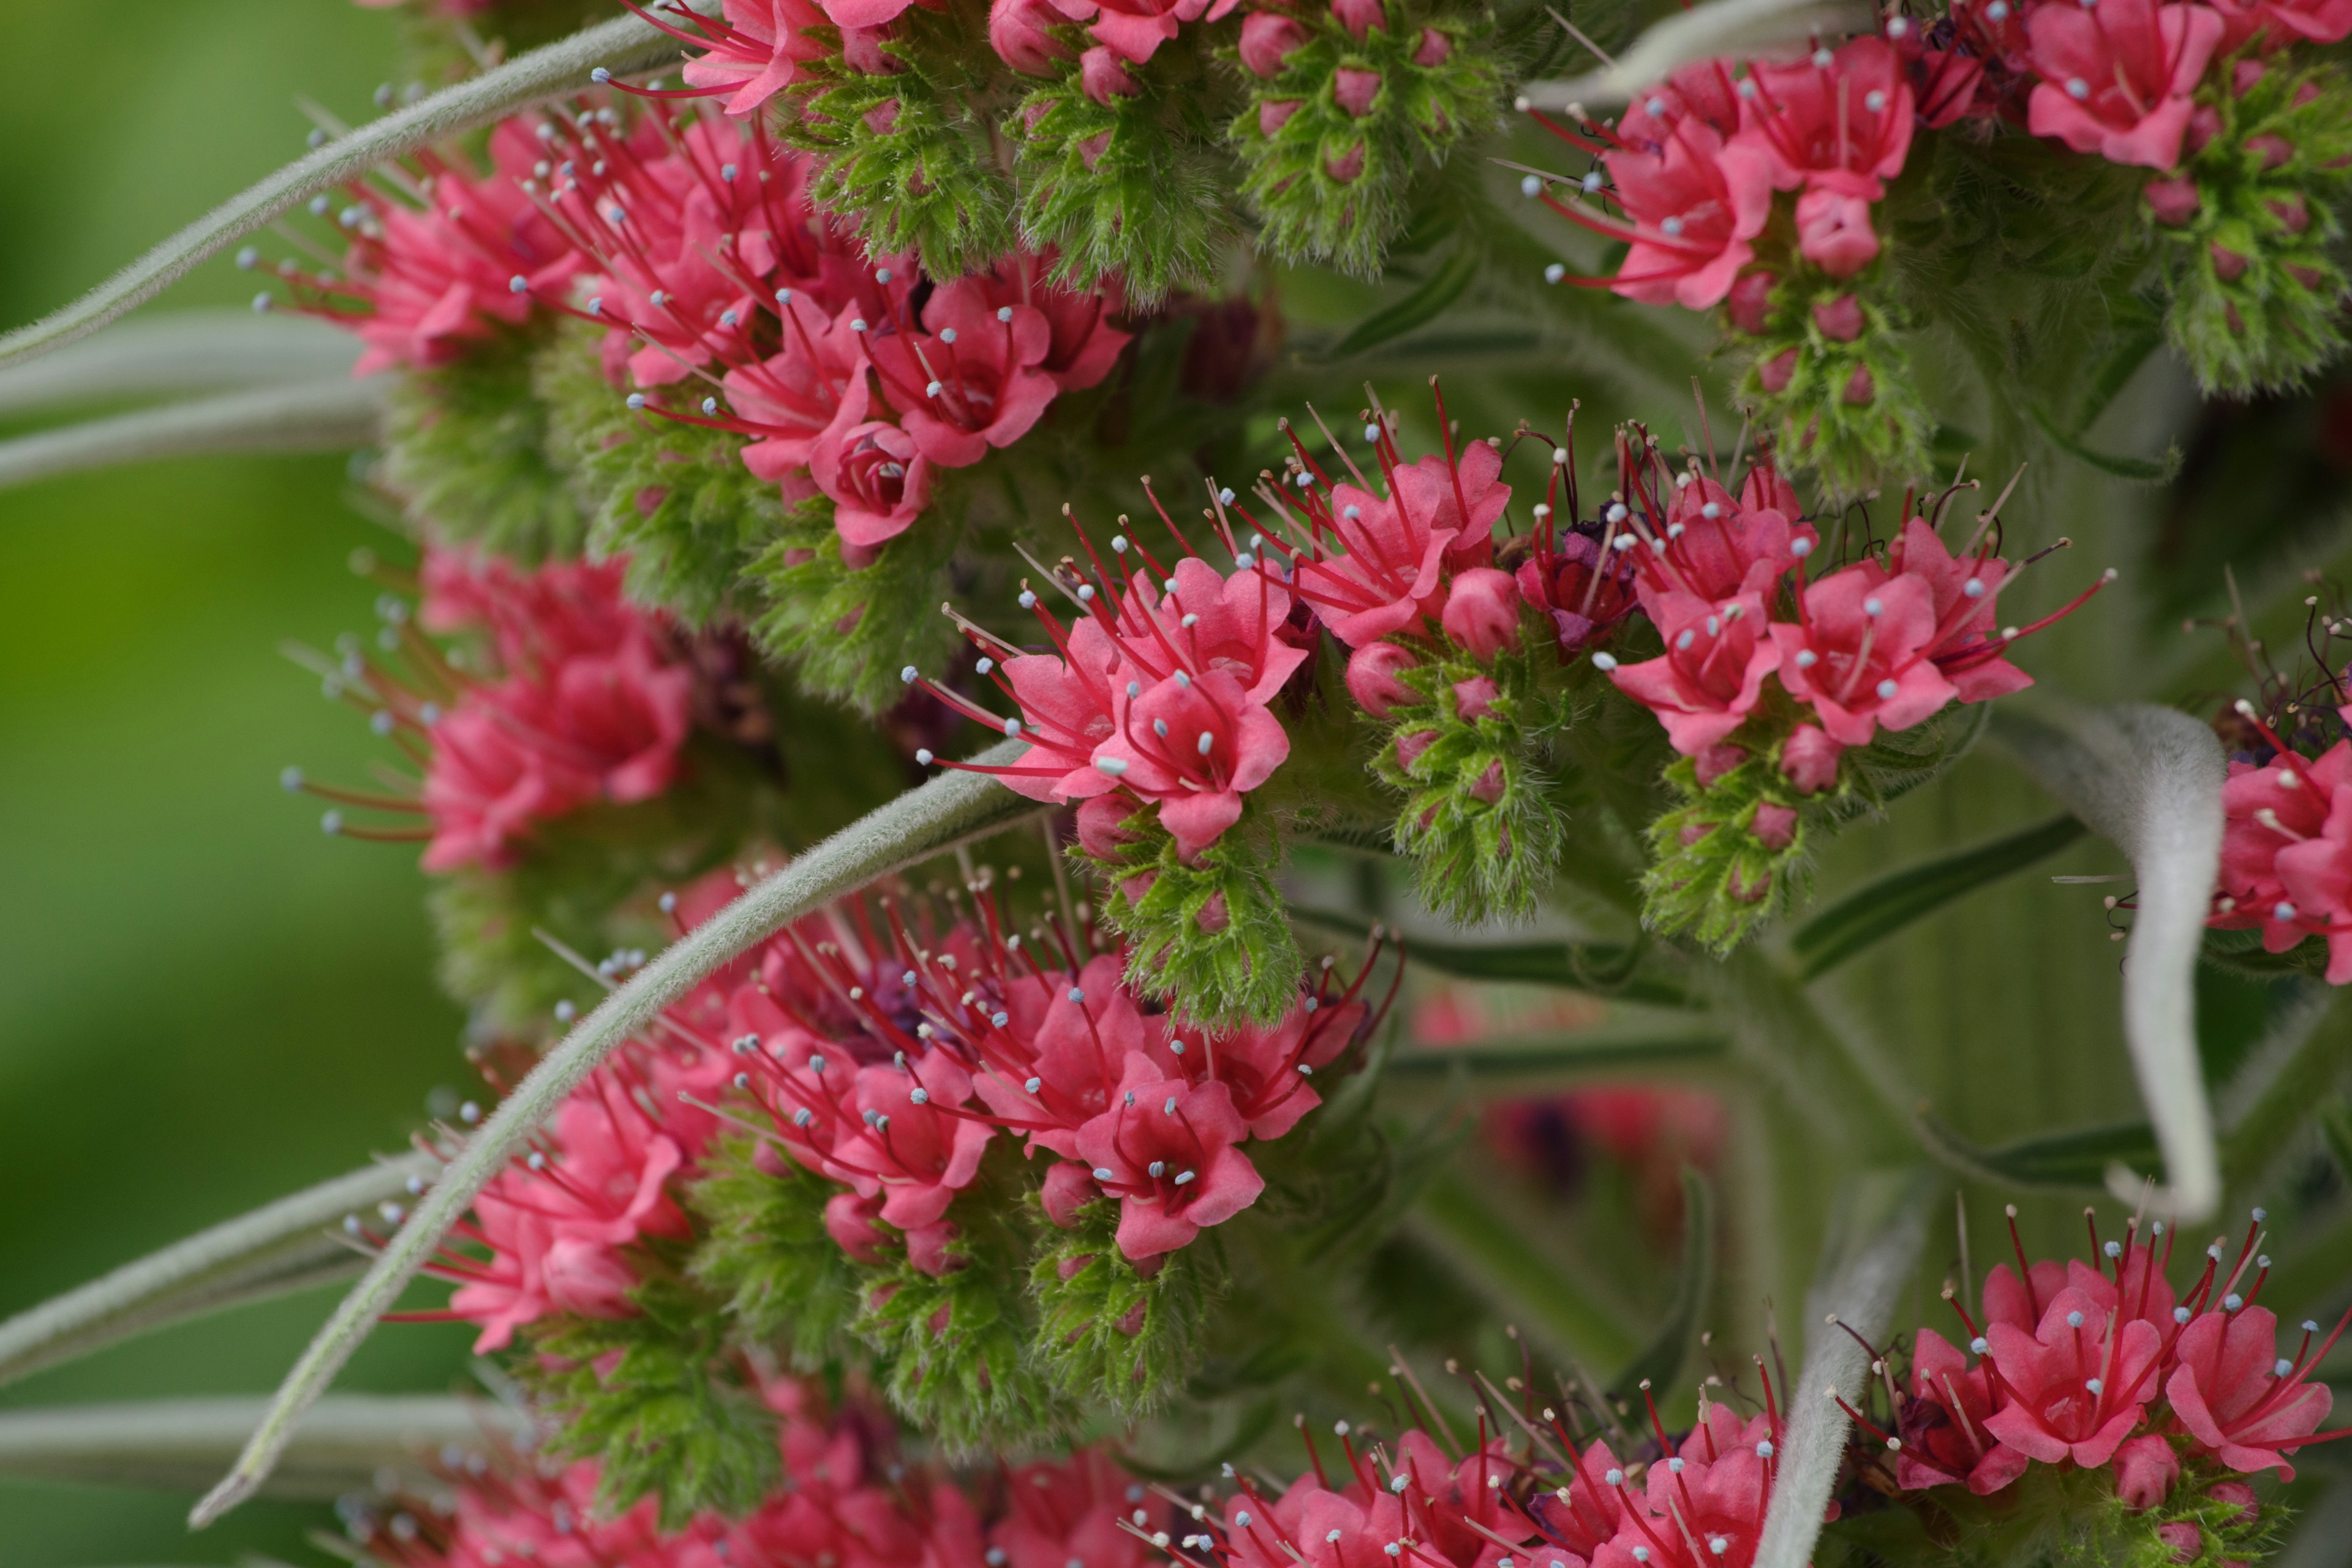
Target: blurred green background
(204,1001)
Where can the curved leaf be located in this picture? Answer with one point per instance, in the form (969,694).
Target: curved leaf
(2074,1160)
(310,417)
(280,1246)
(1661,1361)
(950,810)
(1860,1290)
(183,351)
(1548,1060)
(1719,28)
(625,46)
(2150,779)
(2139,470)
(1605,969)
(340,1445)
(1445,283)
(1879,908)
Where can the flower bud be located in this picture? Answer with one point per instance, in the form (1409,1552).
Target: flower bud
(1861,388)
(1482,612)
(1434,48)
(849,1220)
(587,1279)
(1834,232)
(1809,759)
(1017,31)
(2228,265)
(1840,320)
(1716,761)
(2310,278)
(2145,1467)
(2245,74)
(1275,113)
(1489,787)
(1474,698)
(1373,677)
(2293,215)
(1354,90)
(1102,77)
(1776,372)
(1361,17)
(1268,39)
(1347,167)
(1409,748)
(861,51)
(1214,916)
(2174,202)
(1743,891)
(2273,150)
(2187,1541)
(2240,1494)
(1774,827)
(2204,124)
(1750,303)
(1070,1187)
(1101,832)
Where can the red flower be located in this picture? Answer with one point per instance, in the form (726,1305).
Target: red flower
(877,479)
(1711,675)
(1704,1505)
(2116,79)
(2286,804)
(1082,344)
(1715,548)
(1395,550)
(1692,208)
(1167,1150)
(1944,1439)
(2077,1388)
(755,53)
(1195,745)
(484,789)
(1066,1512)
(1961,593)
(972,382)
(1859,656)
(2238,1398)
(1838,122)
(1055,1065)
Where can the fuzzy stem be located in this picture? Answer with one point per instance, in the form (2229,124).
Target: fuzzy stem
(625,46)
(950,810)
(180,352)
(1720,27)
(2149,779)
(276,1248)
(308,416)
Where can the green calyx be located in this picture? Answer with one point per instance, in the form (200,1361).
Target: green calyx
(1841,398)
(1210,935)
(1328,158)
(1109,1332)
(2070,1517)
(785,1281)
(659,1401)
(2256,283)
(471,452)
(849,630)
(1731,855)
(1478,821)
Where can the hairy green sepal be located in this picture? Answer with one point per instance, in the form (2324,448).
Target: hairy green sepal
(468,449)
(1209,935)
(785,1281)
(849,630)
(1109,1333)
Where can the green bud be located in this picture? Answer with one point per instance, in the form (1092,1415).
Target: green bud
(1108,1332)
(1211,937)
(1833,384)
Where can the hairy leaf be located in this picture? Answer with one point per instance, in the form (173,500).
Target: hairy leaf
(1879,908)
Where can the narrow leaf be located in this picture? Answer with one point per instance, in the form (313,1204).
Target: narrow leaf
(1494,1254)
(310,417)
(280,1246)
(2074,1160)
(1661,1361)
(1605,969)
(1444,285)
(1860,1290)
(1877,910)
(2139,470)
(2150,779)
(185,350)
(339,1446)
(1548,1060)
(950,809)
(1728,27)
(2287,1071)
(625,46)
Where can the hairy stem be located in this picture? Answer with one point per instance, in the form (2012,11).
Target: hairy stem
(950,810)
(310,417)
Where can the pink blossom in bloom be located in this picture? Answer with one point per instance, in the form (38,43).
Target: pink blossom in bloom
(1395,550)
(1168,1151)
(1195,744)
(2238,1398)
(2284,804)
(1134,29)
(1082,345)
(1961,591)
(1711,675)
(1703,91)
(877,479)
(813,387)
(1841,124)
(2116,79)
(2072,1394)
(2275,24)
(755,53)
(1710,1508)
(1019,31)
(1072,1042)
(1692,207)
(970,382)
(1945,1440)
(1067,1512)
(1715,548)
(1268,1067)
(2317,878)
(484,790)
(1859,656)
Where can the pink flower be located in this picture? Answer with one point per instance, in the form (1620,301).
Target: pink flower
(1166,1150)
(1060,1512)
(813,387)
(973,382)
(1395,550)
(1565,578)
(2073,1394)
(1267,1068)
(1195,745)
(1834,231)
(1710,1510)
(484,789)
(1134,29)
(2146,1469)
(1809,759)
(1716,549)
(1372,671)
(1967,648)
(1703,91)
(877,479)
(2285,803)
(2274,23)
(1268,39)
(1692,207)
(1709,679)
(2116,79)
(900,1139)
(1841,125)
(1859,656)
(755,53)
(1361,17)
(1019,31)
(1945,1440)
(859,15)
(1482,612)
(1072,1042)
(1082,345)
(2316,877)
(2238,1398)
(1103,76)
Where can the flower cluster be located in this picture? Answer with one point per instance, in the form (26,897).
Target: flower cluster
(845,1496)
(726,302)
(1769,675)
(2286,848)
(2103,1366)
(576,697)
